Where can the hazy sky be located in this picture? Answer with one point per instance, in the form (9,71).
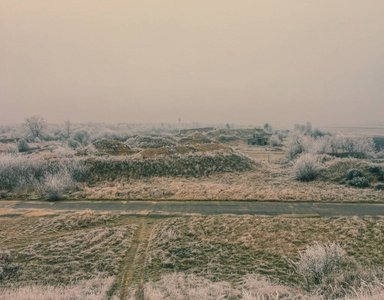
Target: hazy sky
(244,61)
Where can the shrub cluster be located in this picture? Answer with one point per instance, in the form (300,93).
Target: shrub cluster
(354,173)
(355,178)
(336,145)
(375,169)
(360,182)
(22,172)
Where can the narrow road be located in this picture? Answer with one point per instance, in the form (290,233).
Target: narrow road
(11,208)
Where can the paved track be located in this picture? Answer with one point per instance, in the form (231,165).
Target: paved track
(199,207)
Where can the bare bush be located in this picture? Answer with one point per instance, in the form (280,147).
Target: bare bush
(56,184)
(35,126)
(306,168)
(82,136)
(319,261)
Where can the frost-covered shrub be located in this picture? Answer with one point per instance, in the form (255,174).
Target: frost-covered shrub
(353,173)
(319,261)
(379,186)
(56,184)
(73,144)
(360,182)
(300,142)
(82,136)
(21,172)
(295,145)
(275,141)
(376,169)
(306,168)
(361,144)
(23,146)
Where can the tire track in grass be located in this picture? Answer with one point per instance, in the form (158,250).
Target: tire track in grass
(135,260)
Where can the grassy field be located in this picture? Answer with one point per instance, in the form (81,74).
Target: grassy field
(103,256)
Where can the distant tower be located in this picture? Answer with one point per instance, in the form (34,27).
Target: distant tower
(179,125)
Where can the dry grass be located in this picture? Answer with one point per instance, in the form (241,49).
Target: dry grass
(73,257)
(74,221)
(83,256)
(92,289)
(267,182)
(227,248)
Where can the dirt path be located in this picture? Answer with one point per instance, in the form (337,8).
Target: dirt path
(135,261)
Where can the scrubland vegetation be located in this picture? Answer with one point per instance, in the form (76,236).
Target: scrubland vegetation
(107,256)
(85,256)
(135,161)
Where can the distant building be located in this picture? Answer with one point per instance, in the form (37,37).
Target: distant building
(260,138)
(205,129)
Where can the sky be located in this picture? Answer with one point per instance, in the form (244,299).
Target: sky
(212,61)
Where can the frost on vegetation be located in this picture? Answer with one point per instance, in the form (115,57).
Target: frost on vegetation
(319,261)
(95,251)
(145,142)
(56,184)
(306,168)
(183,286)
(34,172)
(74,221)
(92,289)
(338,145)
(359,182)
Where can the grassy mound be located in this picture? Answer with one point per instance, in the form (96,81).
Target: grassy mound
(178,161)
(195,139)
(145,142)
(182,150)
(112,147)
(231,135)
